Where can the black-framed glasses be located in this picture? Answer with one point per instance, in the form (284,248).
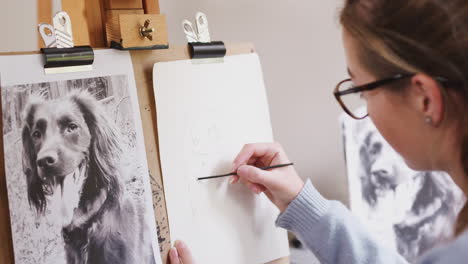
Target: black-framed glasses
(350,96)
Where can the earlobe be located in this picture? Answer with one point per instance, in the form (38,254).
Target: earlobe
(429,98)
(428,120)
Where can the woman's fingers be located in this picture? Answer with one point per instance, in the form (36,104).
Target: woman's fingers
(180,254)
(254,175)
(184,252)
(254,151)
(255,179)
(234,179)
(280,185)
(255,188)
(174,256)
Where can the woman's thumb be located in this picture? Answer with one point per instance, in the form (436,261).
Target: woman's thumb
(253,174)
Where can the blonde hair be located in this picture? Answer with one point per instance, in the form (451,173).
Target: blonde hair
(416,36)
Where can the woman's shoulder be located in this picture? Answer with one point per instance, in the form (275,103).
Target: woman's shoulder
(453,252)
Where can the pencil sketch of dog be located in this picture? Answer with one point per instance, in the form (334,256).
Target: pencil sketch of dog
(422,205)
(71,150)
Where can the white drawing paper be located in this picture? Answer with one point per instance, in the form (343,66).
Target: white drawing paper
(205,114)
(71,141)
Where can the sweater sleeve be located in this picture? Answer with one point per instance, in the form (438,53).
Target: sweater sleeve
(331,232)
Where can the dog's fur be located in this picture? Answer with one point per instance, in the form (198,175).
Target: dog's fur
(70,139)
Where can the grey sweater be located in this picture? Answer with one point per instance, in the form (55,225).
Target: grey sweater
(335,236)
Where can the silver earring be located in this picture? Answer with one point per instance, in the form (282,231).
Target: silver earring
(428,120)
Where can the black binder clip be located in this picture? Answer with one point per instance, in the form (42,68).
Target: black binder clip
(199,40)
(60,54)
(201,50)
(66,60)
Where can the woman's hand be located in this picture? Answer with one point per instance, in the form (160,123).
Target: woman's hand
(180,254)
(281,185)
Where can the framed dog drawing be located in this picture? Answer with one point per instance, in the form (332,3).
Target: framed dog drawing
(78,186)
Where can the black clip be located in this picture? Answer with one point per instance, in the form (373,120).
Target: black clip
(62,60)
(201,50)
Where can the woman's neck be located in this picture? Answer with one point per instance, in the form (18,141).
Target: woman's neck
(459,176)
(449,156)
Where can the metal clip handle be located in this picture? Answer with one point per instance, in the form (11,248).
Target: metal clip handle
(47,33)
(63,30)
(202,27)
(189,31)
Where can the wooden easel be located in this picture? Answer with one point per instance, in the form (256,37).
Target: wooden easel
(89,29)
(90,17)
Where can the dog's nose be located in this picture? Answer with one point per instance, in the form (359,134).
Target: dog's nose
(47,161)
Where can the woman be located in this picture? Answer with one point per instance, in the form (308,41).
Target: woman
(408,60)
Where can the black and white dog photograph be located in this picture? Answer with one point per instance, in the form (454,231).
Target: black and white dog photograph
(410,211)
(77,185)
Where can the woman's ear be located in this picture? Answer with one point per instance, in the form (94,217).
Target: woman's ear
(428,99)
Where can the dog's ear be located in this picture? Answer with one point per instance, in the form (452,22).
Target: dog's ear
(36,195)
(105,149)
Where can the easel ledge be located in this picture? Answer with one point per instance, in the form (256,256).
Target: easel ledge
(143,61)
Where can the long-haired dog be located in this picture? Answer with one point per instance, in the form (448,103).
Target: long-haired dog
(71,150)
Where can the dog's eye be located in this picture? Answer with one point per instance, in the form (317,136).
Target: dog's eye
(36,134)
(72,127)
(376,148)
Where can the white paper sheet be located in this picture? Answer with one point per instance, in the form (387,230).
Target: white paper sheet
(30,234)
(205,114)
